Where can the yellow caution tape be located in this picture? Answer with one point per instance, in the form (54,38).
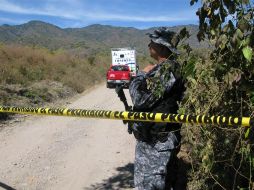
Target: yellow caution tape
(132,116)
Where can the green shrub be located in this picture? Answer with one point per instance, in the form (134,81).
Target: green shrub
(222,84)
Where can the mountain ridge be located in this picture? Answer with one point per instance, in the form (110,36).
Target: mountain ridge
(90,38)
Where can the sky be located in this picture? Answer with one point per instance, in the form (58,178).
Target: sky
(140,14)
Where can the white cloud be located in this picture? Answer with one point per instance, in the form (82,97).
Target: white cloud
(12,8)
(108,16)
(72,9)
(6,20)
(12,21)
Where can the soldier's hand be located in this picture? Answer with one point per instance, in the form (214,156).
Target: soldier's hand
(148,68)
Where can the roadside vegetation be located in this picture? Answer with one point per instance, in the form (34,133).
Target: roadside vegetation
(32,75)
(35,76)
(221,82)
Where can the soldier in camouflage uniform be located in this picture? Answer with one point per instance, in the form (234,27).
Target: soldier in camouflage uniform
(158,88)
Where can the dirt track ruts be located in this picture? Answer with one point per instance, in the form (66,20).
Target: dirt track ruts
(48,152)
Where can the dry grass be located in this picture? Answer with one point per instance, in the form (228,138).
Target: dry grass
(26,65)
(35,76)
(21,67)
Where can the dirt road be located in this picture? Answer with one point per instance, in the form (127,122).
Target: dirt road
(49,152)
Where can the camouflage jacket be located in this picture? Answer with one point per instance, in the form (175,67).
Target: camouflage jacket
(159,90)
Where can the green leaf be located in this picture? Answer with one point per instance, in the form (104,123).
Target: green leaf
(189,69)
(246,41)
(184,33)
(222,41)
(243,25)
(239,34)
(247,133)
(247,52)
(213,32)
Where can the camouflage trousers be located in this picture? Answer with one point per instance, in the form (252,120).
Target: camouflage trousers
(154,165)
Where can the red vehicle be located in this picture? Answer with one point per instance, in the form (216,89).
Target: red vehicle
(118,75)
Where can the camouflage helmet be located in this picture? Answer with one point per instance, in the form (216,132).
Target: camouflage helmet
(165,37)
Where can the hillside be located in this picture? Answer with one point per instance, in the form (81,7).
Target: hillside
(89,39)
(40,61)
(35,33)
